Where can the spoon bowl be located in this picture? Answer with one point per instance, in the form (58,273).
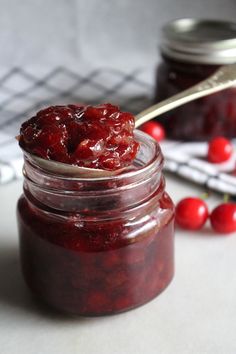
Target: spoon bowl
(223,78)
(65,169)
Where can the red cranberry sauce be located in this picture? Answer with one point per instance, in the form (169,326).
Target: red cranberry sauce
(201,119)
(95,268)
(96,137)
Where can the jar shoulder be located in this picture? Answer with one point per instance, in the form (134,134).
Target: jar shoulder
(91,234)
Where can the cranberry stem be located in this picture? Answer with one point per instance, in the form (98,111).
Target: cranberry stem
(226,198)
(204,195)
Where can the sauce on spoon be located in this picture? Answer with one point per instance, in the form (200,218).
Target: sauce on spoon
(99,137)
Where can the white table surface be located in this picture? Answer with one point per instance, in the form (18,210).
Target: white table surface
(195,315)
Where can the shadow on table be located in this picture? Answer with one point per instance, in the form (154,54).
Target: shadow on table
(205,233)
(13,291)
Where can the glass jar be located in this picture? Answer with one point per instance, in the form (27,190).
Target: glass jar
(191,51)
(97,246)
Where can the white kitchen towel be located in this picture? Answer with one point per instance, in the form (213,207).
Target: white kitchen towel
(24,91)
(188,160)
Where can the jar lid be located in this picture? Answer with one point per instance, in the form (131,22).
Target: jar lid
(200,41)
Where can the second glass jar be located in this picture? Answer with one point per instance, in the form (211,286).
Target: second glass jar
(191,51)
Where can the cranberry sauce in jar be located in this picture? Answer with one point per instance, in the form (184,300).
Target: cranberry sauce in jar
(98,246)
(191,51)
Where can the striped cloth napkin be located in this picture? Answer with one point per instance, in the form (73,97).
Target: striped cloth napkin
(188,160)
(25,91)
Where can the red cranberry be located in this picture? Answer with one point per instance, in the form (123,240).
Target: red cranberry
(191,213)
(223,218)
(154,129)
(96,137)
(219,150)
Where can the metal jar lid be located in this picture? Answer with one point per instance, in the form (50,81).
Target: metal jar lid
(200,41)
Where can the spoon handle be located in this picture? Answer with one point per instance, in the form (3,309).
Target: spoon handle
(223,78)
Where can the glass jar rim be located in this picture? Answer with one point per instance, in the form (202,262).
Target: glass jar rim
(155,161)
(77,194)
(204,41)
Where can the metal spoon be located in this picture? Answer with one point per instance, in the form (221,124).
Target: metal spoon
(223,78)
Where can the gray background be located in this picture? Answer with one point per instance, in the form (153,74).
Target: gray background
(120,33)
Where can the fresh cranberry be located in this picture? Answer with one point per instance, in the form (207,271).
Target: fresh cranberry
(219,150)
(223,218)
(96,137)
(154,129)
(191,213)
